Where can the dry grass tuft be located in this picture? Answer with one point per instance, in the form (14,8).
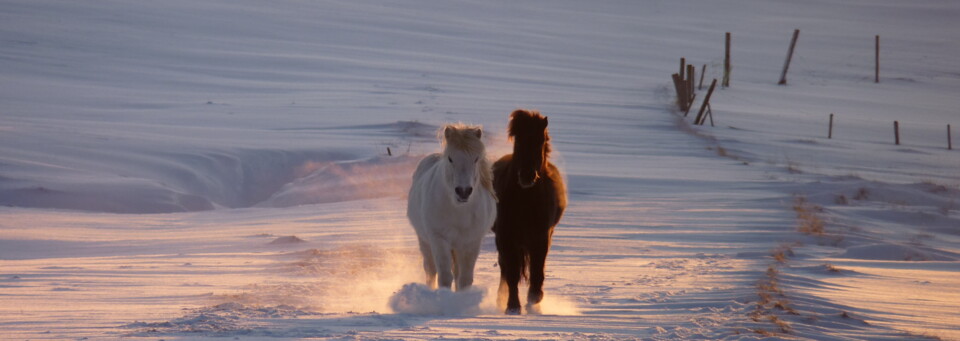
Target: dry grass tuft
(783,325)
(793,168)
(841,200)
(764,332)
(771,297)
(862,194)
(810,221)
(780,254)
(780,257)
(721,151)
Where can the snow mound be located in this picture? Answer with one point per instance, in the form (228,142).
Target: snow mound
(398,128)
(327,182)
(418,299)
(896,253)
(146,180)
(416,129)
(223,320)
(286,240)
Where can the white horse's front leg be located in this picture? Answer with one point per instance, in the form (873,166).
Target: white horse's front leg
(466,259)
(443,259)
(429,267)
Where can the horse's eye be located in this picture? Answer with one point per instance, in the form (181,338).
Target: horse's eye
(450,159)
(477,159)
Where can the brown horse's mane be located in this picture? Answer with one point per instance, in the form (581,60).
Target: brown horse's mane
(530,122)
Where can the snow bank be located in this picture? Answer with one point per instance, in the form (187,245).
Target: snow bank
(326,182)
(136,181)
(896,253)
(227,319)
(139,177)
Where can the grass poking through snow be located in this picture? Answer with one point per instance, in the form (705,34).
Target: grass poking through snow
(810,222)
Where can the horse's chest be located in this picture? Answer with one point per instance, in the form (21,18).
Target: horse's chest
(464,224)
(474,216)
(531,204)
(479,211)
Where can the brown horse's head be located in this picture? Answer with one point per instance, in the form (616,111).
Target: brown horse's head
(531,145)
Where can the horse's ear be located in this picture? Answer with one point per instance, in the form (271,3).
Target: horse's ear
(447,131)
(545,122)
(478,132)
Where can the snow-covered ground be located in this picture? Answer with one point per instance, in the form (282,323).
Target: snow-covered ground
(183,170)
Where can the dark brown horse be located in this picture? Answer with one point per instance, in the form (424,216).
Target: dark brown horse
(532,199)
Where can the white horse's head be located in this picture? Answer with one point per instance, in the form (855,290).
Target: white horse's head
(466,162)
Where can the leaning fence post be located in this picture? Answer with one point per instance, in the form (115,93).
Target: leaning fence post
(726,64)
(896,131)
(830,132)
(706,102)
(709,114)
(786,63)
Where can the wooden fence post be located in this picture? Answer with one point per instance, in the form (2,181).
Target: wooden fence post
(681,88)
(726,64)
(786,63)
(830,132)
(708,114)
(949,139)
(706,103)
(683,68)
(691,76)
(877,61)
(703,71)
(896,131)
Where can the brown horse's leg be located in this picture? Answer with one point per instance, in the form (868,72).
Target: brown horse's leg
(502,293)
(538,259)
(510,268)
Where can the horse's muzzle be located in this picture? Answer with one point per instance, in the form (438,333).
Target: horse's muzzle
(463,193)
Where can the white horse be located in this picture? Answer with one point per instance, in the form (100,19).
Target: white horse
(452,205)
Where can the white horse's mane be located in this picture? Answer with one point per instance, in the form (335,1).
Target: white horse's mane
(465,137)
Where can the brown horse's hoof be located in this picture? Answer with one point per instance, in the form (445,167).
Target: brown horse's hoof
(513,311)
(534,297)
(534,309)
